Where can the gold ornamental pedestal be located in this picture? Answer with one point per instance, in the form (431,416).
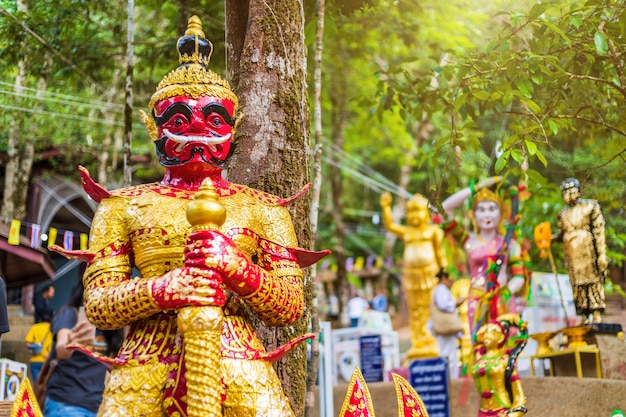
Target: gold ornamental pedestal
(575,335)
(542,340)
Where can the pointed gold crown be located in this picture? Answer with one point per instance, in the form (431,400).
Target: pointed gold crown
(486,195)
(193,78)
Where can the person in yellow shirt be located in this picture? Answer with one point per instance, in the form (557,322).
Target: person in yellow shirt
(39,342)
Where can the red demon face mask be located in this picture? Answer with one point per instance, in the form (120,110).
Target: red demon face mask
(194,131)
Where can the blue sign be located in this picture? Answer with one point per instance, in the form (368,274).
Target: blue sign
(371,358)
(429,377)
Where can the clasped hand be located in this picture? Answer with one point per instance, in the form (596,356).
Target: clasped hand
(212,262)
(211,249)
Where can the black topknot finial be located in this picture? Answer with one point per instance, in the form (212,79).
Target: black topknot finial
(193,47)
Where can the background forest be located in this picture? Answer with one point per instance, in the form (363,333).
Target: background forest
(420,96)
(417,97)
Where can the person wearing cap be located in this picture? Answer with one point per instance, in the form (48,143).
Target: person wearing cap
(250,267)
(581,230)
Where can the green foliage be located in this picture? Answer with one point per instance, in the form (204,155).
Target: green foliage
(610,288)
(533,92)
(543,98)
(78,47)
(398,49)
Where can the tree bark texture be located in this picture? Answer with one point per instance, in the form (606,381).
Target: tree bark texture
(267,59)
(14,184)
(112,142)
(20,152)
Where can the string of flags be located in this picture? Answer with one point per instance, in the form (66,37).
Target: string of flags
(69,239)
(36,235)
(359,263)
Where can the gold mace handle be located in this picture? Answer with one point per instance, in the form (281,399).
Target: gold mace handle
(202,326)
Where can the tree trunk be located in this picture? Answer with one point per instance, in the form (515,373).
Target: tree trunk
(338,120)
(20,152)
(128,97)
(265,42)
(13,176)
(317,185)
(108,144)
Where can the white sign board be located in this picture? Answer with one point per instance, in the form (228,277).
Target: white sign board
(551,309)
(549,313)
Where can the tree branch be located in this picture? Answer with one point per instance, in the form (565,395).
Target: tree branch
(615,57)
(593,121)
(598,80)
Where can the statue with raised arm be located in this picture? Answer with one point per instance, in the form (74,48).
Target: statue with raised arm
(497,270)
(423,258)
(242,262)
(581,229)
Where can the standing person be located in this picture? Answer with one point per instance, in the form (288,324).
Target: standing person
(495,264)
(357,305)
(77,383)
(39,343)
(379,302)
(423,257)
(43,311)
(581,229)
(4,314)
(445,301)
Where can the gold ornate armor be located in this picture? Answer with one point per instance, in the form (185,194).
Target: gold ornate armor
(146,267)
(145,226)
